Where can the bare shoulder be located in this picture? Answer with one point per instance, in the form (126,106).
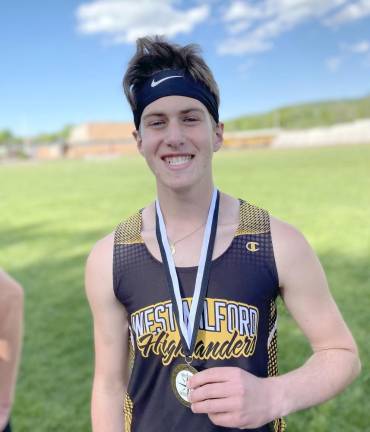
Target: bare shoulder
(229,210)
(10,289)
(288,241)
(98,273)
(102,250)
(292,251)
(284,234)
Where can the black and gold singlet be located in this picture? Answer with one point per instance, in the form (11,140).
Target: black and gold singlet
(237,328)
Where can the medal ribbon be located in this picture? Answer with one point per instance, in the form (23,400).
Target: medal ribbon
(189,331)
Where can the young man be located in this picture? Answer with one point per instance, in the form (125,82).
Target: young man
(185,324)
(11,319)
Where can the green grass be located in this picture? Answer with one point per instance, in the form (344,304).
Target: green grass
(51,214)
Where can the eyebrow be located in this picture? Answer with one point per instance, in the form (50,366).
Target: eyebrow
(162,114)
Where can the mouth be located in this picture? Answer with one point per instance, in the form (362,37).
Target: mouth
(177,160)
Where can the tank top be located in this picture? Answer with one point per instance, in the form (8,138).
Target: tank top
(237,327)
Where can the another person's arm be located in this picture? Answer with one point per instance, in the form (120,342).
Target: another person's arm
(11,326)
(233,397)
(110,338)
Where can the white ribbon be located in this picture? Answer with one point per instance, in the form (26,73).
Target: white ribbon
(187,330)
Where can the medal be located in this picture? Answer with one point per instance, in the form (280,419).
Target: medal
(188,330)
(179,380)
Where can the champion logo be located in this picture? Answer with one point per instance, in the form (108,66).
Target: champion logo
(154,83)
(252,246)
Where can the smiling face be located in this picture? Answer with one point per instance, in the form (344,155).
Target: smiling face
(178,138)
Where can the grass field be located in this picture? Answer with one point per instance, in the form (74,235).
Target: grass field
(51,214)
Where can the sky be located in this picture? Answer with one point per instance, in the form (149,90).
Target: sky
(62,61)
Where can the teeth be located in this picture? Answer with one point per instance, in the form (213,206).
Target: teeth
(177,160)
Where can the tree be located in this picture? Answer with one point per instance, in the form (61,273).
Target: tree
(6,137)
(48,138)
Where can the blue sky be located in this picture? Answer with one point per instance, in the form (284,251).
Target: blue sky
(62,61)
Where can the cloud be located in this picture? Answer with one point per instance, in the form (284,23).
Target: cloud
(241,46)
(359,47)
(347,51)
(124,21)
(241,10)
(333,63)
(254,27)
(251,26)
(353,11)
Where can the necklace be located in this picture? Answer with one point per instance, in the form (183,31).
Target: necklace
(173,243)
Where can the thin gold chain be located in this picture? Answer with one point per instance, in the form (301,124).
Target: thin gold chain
(173,243)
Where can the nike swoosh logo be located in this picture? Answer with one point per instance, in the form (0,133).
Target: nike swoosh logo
(155,83)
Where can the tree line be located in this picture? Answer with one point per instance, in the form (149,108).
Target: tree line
(7,137)
(303,116)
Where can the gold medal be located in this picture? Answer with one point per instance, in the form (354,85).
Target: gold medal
(179,380)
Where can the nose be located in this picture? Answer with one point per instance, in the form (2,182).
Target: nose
(173,136)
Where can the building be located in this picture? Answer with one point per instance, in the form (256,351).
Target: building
(100,139)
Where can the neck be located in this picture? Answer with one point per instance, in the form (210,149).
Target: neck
(185,207)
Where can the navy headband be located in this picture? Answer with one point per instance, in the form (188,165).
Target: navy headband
(172,82)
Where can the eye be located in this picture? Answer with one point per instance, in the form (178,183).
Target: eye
(191,119)
(156,123)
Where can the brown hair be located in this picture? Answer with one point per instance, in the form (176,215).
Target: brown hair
(155,53)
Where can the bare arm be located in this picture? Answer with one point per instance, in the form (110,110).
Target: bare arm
(334,363)
(233,397)
(110,339)
(11,322)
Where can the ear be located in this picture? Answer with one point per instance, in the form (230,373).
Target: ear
(219,136)
(139,141)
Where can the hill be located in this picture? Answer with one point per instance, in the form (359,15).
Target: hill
(306,115)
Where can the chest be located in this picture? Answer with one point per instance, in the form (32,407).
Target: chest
(187,251)
(237,275)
